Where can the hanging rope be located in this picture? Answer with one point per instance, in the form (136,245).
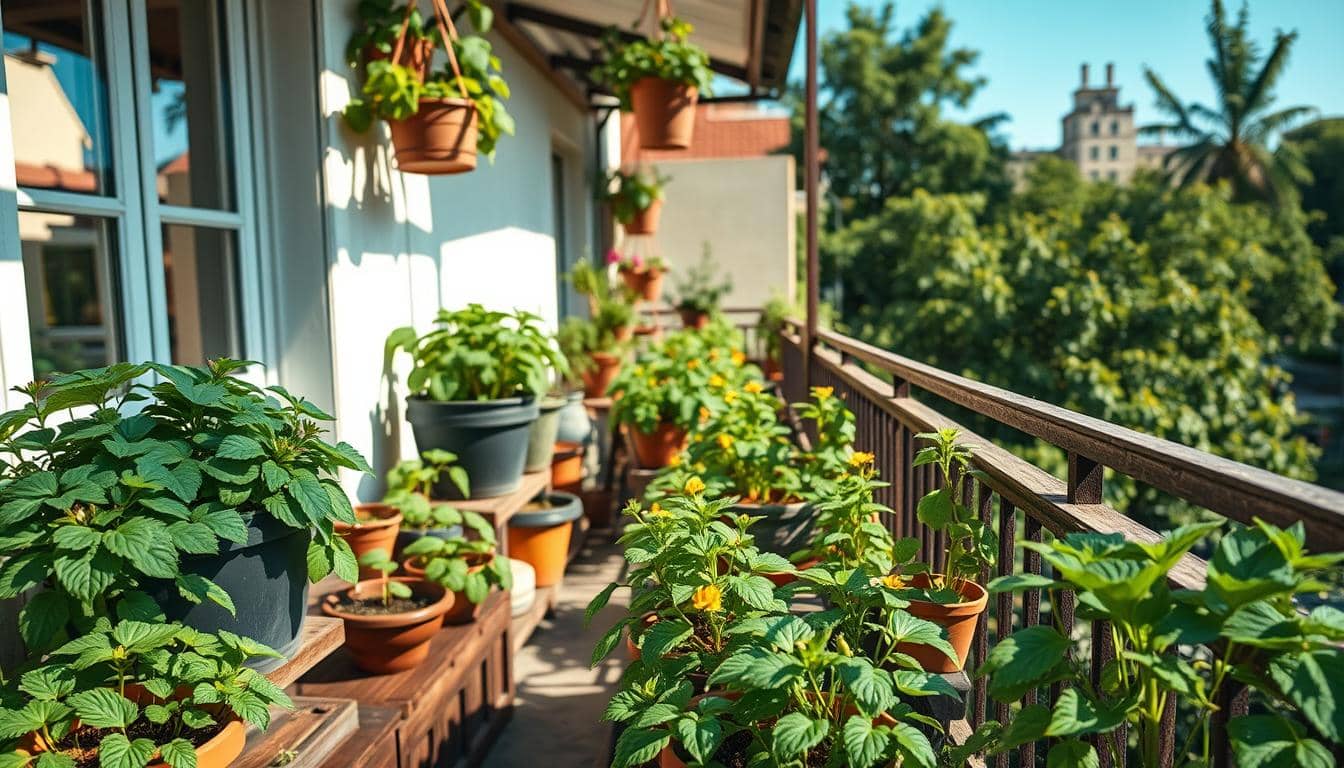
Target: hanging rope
(446,31)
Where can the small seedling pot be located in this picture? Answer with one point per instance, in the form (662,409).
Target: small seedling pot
(394,642)
(540,537)
(378,531)
(462,611)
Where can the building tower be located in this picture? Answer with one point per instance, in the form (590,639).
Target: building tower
(1099,134)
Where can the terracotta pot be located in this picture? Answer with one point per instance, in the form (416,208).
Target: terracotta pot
(463,611)
(218,752)
(567,466)
(772,370)
(784,579)
(597,379)
(380,532)
(382,644)
(624,333)
(959,619)
(647,620)
(664,113)
(646,282)
(416,55)
(438,139)
(692,318)
(540,538)
(596,507)
(656,450)
(645,222)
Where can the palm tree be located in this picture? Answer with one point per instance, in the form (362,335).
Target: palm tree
(1232,142)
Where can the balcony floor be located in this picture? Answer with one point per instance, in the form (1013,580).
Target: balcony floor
(557,720)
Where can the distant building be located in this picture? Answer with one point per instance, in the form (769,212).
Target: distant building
(1099,136)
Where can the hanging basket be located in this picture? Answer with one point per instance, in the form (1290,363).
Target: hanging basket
(439,139)
(645,222)
(664,113)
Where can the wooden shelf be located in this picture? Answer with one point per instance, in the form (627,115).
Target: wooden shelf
(308,735)
(523,626)
(322,635)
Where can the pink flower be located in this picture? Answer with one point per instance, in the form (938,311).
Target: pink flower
(637,261)
(613,257)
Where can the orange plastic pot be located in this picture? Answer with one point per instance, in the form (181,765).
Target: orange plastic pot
(598,377)
(382,644)
(664,113)
(656,449)
(462,611)
(647,283)
(540,538)
(567,466)
(438,139)
(959,619)
(645,222)
(693,318)
(379,532)
(624,333)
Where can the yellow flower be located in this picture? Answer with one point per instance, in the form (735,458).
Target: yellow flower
(861,459)
(725,441)
(713,354)
(657,510)
(716,381)
(754,387)
(730,396)
(738,357)
(694,485)
(675,460)
(823,392)
(708,599)
(653,382)
(894,581)
(693,363)
(704,413)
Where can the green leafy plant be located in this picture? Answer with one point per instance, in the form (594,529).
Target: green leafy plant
(132,693)
(478,354)
(848,531)
(381,561)
(463,565)
(669,57)
(634,262)
(700,290)
(832,455)
(1245,622)
(774,316)
(971,544)
(668,384)
(742,448)
(410,489)
(610,315)
(380,22)
(97,506)
(629,194)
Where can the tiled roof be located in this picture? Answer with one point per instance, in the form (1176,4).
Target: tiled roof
(721,131)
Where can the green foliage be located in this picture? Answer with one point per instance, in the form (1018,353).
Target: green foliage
(673,380)
(1320,144)
(629,194)
(1230,141)
(379,24)
(478,354)
(667,57)
(1246,617)
(610,313)
(120,679)
(972,545)
(410,489)
(774,313)
(848,531)
(468,566)
(700,290)
(381,561)
(99,505)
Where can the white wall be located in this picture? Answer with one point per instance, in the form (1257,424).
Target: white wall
(401,246)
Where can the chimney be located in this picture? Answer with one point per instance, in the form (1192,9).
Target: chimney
(1084,75)
(1110,74)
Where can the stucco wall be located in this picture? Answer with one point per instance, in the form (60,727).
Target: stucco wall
(401,246)
(744,209)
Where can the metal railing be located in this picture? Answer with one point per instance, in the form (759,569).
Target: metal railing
(1023,501)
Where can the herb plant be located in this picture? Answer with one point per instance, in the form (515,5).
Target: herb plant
(97,506)
(382,562)
(742,448)
(410,487)
(610,315)
(450,561)
(669,57)
(668,384)
(478,354)
(700,291)
(630,194)
(634,262)
(971,544)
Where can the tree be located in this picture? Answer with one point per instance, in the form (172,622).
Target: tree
(881,121)
(1231,142)
(1156,308)
(1321,146)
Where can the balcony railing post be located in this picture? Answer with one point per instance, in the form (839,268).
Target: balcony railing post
(1085,480)
(811,181)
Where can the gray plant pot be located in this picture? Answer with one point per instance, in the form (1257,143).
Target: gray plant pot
(575,426)
(785,529)
(488,436)
(541,440)
(565,508)
(267,579)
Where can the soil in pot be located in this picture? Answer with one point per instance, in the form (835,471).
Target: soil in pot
(597,378)
(541,440)
(645,222)
(463,611)
(655,450)
(376,528)
(664,113)
(217,746)
(489,437)
(440,138)
(693,319)
(383,641)
(959,619)
(539,535)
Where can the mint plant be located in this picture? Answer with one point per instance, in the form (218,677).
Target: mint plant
(98,503)
(450,561)
(410,486)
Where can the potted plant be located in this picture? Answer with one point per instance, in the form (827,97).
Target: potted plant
(439,121)
(657,400)
(774,317)
(389,621)
(469,568)
(636,199)
(474,389)
(1248,617)
(214,493)
(567,467)
(699,293)
(376,526)
(659,79)
(136,694)
(594,346)
(539,534)
(375,37)
(412,488)
(644,277)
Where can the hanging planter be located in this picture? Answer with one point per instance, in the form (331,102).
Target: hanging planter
(439,121)
(636,199)
(659,78)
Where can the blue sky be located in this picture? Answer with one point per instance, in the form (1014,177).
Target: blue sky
(1030,52)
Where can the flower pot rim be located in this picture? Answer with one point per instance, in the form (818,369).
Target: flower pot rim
(567,449)
(499,402)
(604,358)
(448,101)
(331,605)
(644,269)
(233,731)
(565,508)
(967,607)
(387,521)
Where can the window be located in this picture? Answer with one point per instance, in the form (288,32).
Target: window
(1094,153)
(1094,175)
(1111,175)
(1096,128)
(1115,127)
(135,233)
(1115,152)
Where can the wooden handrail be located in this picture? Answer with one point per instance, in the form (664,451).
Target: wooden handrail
(1229,488)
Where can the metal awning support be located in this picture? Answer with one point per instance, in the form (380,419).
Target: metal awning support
(812,177)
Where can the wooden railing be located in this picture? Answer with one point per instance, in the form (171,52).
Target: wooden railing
(1023,501)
